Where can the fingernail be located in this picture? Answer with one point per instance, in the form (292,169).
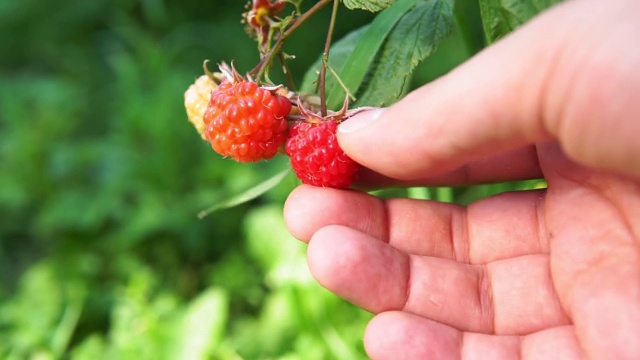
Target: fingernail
(360,120)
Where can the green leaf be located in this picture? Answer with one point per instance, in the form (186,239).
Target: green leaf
(204,325)
(369,5)
(268,243)
(62,334)
(340,52)
(357,65)
(31,315)
(413,39)
(500,17)
(247,195)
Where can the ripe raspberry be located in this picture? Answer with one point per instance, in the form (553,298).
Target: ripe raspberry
(245,121)
(196,100)
(316,157)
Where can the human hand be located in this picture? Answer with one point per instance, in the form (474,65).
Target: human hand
(533,275)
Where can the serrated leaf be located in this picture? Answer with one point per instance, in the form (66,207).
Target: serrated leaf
(369,5)
(248,194)
(500,17)
(413,39)
(358,63)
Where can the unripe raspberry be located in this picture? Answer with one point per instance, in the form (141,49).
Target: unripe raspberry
(196,101)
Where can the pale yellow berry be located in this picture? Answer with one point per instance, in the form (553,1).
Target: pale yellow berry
(196,99)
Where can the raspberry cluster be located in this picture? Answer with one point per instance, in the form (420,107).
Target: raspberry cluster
(249,123)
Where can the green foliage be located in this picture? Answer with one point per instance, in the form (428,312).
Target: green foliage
(340,53)
(102,255)
(414,38)
(376,62)
(365,50)
(500,17)
(369,5)
(247,195)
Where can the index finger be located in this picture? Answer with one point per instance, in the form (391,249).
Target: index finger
(563,77)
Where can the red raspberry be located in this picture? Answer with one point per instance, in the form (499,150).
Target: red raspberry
(316,157)
(245,121)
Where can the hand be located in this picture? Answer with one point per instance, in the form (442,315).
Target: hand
(548,274)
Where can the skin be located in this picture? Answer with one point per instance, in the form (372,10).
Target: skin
(542,274)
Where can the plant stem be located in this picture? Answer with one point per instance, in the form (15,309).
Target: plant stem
(325,60)
(287,73)
(265,62)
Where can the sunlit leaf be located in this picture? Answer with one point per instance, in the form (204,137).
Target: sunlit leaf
(269,244)
(63,332)
(204,325)
(247,195)
(369,5)
(32,315)
(92,347)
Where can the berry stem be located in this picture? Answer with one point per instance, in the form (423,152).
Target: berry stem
(205,66)
(267,59)
(287,73)
(342,84)
(325,60)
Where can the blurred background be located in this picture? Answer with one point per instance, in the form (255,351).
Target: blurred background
(102,255)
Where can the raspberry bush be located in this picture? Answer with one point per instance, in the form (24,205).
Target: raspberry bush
(101,174)
(249,118)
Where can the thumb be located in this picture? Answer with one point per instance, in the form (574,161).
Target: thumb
(561,77)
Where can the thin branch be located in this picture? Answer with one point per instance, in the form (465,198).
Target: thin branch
(342,84)
(259,69)
(287,73)
(325,59)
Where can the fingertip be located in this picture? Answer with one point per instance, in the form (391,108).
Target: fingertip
(364,137)
(359,268)
(376,334)
(354,135)
(391,335)
(400,335)
(360,121)
(298,214)
(309,208)
(328,252)
(339,258)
